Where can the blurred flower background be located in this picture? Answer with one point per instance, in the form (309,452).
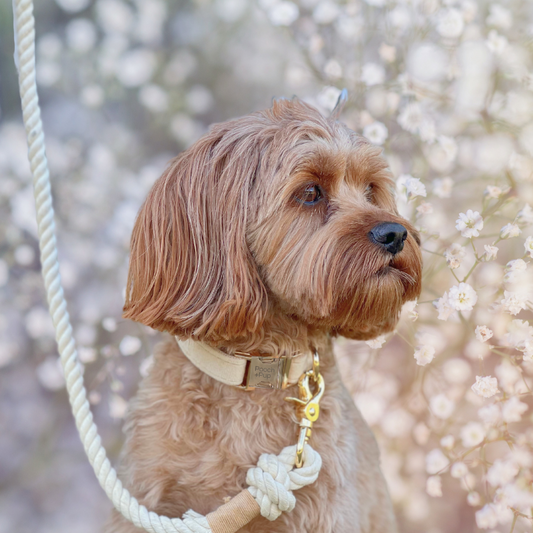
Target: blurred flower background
(445,86)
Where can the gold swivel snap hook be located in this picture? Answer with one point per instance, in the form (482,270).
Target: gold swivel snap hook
(307,404)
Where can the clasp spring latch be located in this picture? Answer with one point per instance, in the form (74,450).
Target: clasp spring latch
(307,405)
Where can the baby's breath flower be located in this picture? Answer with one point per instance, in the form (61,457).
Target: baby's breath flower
(411,117)
(490,414)
(508,375)
(487,517)
(522,457)
(377,343)
(513,268)
(397,423)
(514,302)
(415,188)
(528,245)
(459,470)
(490,252)
(518,332)
(469,224)
(485,386)
(473,498)
(372,74)
(447,442)
(444,308)
(425,208)
(129,345)
(436,461)
(515,496)
(462,297)
(492,191)
(483,333)
(410,187)
(454,254)
(456,370)
(496,43)
(450,23)
(326,12)
(387,53)
(513,409)
(525,215)
(472,434)
(434,486)
(441,406)
(50,374)
(87,355)
(117,406)
(410,309)
(500,17)
(109,324)
(283,13)
(442,187)
(376,132)
(526,347)
(424,354)
(146,366)
(501,473)
(510,230)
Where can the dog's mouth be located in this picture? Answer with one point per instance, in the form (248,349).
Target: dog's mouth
(396,269)
(387,269)
(390,268)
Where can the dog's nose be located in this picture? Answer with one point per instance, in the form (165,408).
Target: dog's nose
(389,235)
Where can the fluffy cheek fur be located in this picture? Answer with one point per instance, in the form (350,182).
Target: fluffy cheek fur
(329,274)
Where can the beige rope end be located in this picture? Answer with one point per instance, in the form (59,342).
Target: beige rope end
(231,516)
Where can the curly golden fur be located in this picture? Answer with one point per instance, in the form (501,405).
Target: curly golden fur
(225,250)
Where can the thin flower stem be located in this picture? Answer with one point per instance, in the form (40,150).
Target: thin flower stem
(453,274)
(514,523)
(407,341)
(431,252)
(471,270)
(474,249)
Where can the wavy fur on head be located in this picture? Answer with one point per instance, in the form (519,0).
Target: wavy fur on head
(223,252)
(227,249)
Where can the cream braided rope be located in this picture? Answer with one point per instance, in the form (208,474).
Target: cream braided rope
(271,482)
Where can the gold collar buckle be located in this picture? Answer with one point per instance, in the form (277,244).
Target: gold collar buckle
(265,372)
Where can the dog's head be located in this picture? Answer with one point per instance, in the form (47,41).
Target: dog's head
(282,209)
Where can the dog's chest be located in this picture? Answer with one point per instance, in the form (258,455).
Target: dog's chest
(191,441)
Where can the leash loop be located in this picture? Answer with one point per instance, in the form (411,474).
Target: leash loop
(273,479)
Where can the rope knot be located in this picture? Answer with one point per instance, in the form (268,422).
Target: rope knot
(272,481)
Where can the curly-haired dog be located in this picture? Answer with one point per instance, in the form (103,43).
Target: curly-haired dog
(272,234)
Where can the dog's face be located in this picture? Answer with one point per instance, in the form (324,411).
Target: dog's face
(280,209)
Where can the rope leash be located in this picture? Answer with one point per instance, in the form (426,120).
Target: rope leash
(271,482)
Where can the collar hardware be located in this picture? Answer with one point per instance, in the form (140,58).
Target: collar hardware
(265,372)
(247,371)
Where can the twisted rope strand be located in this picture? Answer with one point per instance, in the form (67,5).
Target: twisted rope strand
(272,476)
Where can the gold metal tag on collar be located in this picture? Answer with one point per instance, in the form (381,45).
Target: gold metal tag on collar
(267,373)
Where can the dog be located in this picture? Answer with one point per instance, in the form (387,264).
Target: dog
(271,235)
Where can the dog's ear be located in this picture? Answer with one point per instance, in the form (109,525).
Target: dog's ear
(191,272)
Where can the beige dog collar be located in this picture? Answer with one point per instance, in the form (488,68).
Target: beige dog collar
(246,371)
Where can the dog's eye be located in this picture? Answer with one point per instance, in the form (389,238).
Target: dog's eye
(369,193)
(310,195)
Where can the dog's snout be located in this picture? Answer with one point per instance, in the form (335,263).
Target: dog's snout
(390,235)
